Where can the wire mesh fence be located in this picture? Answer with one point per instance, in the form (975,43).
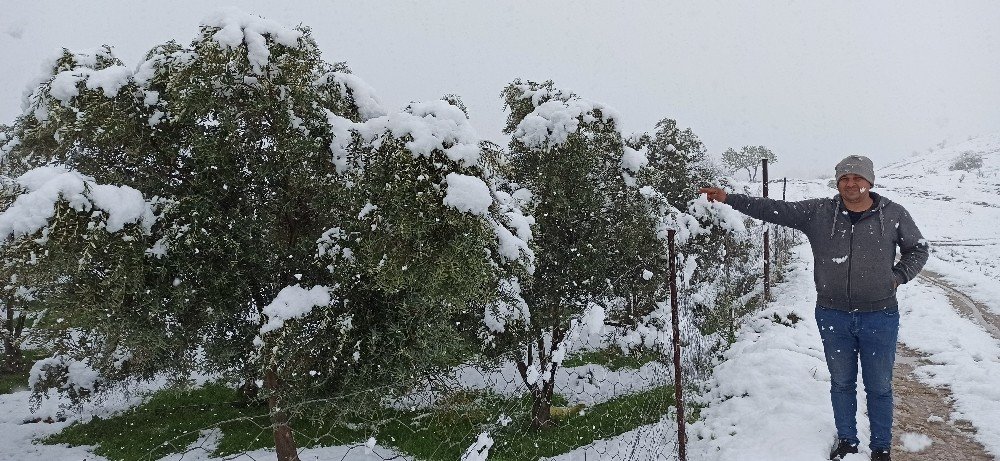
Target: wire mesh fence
(609,403)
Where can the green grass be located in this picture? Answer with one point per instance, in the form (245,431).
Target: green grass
(171,419)
(10,383)
(611,358)
(13,382)
(601,421)
(165,424)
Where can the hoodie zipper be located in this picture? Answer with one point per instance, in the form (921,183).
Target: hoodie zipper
(850,250)
(850,262)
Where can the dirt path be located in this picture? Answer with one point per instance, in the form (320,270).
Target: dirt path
(927,410)
(967,306)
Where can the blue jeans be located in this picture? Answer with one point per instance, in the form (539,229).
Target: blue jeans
(870,336)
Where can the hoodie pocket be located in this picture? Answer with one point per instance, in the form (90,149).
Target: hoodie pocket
(831,276)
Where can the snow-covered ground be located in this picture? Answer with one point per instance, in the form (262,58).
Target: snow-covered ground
(770,398)
(589,384)
(19,426)
(959,213)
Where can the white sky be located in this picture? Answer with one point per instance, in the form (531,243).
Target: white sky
(814,81)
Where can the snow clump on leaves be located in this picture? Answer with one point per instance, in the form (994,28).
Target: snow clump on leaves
(44,187)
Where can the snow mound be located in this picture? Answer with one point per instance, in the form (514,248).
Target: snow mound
(914,442)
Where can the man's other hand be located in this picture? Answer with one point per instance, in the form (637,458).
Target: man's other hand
(714,194)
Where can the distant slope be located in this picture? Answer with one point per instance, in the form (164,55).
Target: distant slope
(958,212)
(931,174)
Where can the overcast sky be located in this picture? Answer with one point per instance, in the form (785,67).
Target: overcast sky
(814,81)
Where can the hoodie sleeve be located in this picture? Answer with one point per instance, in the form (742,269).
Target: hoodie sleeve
(780,212)
(913,250)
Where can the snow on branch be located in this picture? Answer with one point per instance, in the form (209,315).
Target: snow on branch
(508,308)
(353,87)
(46,186)
(633,160)
(631,163)
(553,121)
(717,213)
(468,194)
(293,302)
(236,27)
(430,126)
(110,80)
(65,372)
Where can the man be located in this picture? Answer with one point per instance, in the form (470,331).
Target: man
(853,237)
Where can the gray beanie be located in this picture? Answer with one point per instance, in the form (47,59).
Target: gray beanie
(859,165)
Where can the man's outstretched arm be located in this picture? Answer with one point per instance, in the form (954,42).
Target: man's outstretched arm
(780,212)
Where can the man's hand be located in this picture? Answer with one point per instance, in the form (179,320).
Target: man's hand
(714,194)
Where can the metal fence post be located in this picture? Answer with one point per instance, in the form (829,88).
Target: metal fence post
(767,242)
(678,382)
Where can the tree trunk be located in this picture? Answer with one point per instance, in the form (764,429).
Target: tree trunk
(284,443)
(541,409)
(541,405)
(13,358)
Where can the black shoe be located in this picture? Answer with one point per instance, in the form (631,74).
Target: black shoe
(881,455)
(844,448)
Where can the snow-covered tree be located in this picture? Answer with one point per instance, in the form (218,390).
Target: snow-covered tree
(678,162)
(432,239)
(285,229)
(678,165)
(75,249)
(748,158)
(594,237)
(14,298)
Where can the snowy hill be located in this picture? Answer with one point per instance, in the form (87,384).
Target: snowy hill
(936,175)
(940,158)
(958,211)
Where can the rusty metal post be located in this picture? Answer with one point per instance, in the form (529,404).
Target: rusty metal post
(678,384)
(781,237)
(767,242)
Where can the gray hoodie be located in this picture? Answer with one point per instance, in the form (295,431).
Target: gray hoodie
(855,265)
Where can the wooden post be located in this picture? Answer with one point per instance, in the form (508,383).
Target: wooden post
(767,242)
(678,384)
